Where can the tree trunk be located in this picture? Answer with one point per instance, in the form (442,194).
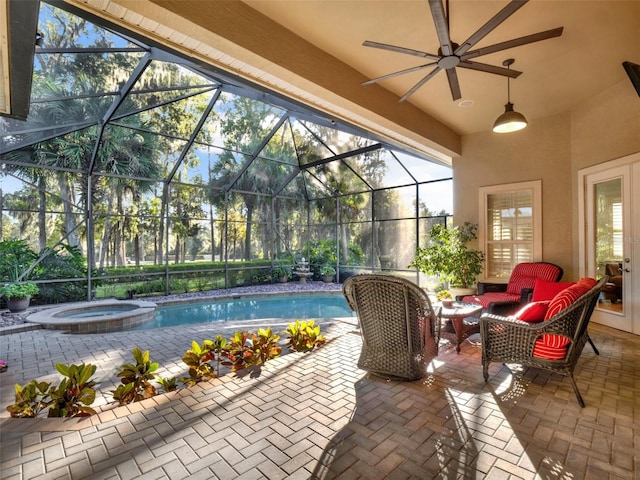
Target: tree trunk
(42,216)
(222,244)
(247,235)
(136,249)
(104,244)
(212,234)
(119,227)
(69,217)
(344,243)
(160,250)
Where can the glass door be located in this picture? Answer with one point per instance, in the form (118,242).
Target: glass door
(608,243)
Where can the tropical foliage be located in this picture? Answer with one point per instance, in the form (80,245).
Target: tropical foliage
(129,159)
(136,379)
(75,393)
(448,255)
(304,336)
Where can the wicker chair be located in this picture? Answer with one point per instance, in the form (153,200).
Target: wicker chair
(399,327)
(507,340)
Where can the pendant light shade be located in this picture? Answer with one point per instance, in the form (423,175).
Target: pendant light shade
(510,120)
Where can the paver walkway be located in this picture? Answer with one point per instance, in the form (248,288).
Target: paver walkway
(317,415)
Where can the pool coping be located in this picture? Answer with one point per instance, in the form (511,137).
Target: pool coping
(48,319)
(238,296)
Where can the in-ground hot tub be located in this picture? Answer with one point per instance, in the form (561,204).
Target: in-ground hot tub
(96,317)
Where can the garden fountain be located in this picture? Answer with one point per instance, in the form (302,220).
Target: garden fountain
(302,270)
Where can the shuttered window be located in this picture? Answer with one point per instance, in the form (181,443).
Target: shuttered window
(510,224)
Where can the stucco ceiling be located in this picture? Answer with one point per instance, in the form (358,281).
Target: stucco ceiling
(557,73)
(312,51)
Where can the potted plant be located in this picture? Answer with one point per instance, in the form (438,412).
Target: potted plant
(327,272)
(281,273)
(448,256)
(445,297)
(18,295)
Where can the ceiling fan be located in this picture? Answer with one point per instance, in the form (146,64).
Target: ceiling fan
(451,55)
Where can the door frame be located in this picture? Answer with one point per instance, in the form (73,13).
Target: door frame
(632,238)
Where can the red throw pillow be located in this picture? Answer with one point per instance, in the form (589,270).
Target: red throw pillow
(533,312)
(569,295)
(545,290)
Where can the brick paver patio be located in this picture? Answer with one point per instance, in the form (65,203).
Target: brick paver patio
(317,415)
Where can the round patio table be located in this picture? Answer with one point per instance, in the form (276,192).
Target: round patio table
(460,325)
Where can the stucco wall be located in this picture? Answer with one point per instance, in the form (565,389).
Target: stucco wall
(552,149)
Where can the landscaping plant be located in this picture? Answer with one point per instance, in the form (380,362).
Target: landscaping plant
(136,379)
(168,384)
(265,345)
(31,399)
(75,393)
(303,336)
(239,352)
(199,359)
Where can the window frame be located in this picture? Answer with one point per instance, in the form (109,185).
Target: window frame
(535,187)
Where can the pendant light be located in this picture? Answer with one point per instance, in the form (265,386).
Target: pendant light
(510,120)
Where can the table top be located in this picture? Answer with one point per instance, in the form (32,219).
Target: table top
(460,309)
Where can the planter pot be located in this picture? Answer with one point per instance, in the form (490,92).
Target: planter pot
(327,278)
(18,304)
(461,292)
(283,279)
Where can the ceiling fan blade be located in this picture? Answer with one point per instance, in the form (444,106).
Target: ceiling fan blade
(483,67)
(516,42)
(395,74)
(420,83)
(454,85)
(394,48)
(442,27)
(500,17)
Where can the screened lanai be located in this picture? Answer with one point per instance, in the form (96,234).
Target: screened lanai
(140,171)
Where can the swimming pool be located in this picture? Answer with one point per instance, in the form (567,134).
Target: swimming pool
(250,308)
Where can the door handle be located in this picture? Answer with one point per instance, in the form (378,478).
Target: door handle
(627,269)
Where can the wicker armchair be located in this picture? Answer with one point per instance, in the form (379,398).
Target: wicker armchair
(400,329)
(507,340)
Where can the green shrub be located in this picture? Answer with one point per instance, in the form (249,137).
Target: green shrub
(265,345)
(19,290)
(31,399)
(75,393)
(136,379)
(304,336)
(199,360)
(168,384)
(15,258)
(69,399)
(239,352)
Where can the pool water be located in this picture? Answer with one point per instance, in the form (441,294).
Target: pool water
(291,307)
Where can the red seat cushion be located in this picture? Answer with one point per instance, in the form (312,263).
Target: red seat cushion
(490,297)
(533,312)
(545,290)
